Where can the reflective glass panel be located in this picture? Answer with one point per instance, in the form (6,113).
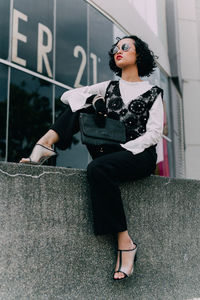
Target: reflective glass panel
(100,41)
(71,42)
(30,114)
(3,109)
(77,155)
(4,27)
(33,35)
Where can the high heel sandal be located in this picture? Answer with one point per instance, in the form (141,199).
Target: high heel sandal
(40,154)
(121,268)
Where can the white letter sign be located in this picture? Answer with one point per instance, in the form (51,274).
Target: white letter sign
(44,49)
(17,36)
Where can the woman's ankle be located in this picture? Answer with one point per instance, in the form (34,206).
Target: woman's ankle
(125,241)
(44,143)
(50,138)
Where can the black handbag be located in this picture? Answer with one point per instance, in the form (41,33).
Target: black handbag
(113,132)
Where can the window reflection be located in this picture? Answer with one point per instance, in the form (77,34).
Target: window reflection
(4,28)
(100,43)
(71,42)
(30,114)
(77,155)
(3,109)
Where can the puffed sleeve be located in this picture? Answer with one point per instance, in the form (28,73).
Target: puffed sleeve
(154,129)
(76,98)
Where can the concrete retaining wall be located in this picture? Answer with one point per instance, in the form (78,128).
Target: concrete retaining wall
(48,250)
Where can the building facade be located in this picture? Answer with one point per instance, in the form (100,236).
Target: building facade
(188,20)
(50,46)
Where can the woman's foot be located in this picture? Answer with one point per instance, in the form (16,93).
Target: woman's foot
(43,149)
(126,256)
(125,263)
(39,155)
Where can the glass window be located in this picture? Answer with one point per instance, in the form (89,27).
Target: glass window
(117,33)
(4,28)
(99,45)
(30,114)
(59,105)
(32,45)
(3,109)
(77,155)
(71,42)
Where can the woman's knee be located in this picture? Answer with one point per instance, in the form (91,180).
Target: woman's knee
(101,170)
(91,169)
(95,169)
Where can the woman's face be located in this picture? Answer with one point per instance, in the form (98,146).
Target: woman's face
(126,54)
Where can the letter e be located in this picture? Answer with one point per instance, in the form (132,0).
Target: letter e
(18,36)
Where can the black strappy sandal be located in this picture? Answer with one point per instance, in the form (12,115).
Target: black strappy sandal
(120,269)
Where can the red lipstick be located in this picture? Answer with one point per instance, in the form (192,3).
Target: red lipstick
(119,56)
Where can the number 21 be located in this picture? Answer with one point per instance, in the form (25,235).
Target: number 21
(79,50)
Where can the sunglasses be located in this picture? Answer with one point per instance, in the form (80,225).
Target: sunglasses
(125,47)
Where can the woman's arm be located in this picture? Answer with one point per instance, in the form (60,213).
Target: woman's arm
(154,129)
(77,98)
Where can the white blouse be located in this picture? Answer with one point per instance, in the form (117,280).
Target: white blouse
(129,90)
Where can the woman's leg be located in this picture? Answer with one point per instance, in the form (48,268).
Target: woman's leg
(49,139)
(104,175)
(66,126)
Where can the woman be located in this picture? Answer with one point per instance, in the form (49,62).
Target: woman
(134,102)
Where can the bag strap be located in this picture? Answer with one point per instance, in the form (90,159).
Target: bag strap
(112,82)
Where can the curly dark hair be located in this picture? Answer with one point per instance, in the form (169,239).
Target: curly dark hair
(145,57)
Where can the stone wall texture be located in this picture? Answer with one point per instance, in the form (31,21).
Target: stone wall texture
(48,250)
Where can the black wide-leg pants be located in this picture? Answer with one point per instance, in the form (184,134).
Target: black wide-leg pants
(110,167)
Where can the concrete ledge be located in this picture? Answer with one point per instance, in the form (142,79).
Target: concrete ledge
(48,250)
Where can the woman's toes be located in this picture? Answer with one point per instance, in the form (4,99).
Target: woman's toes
(24,160)
(116,275)
(119,275)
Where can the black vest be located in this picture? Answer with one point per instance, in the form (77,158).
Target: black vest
(135,113)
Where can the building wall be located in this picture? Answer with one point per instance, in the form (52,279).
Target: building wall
(188,20)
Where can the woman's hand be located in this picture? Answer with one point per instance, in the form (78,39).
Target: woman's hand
(100,109)
(99,105)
